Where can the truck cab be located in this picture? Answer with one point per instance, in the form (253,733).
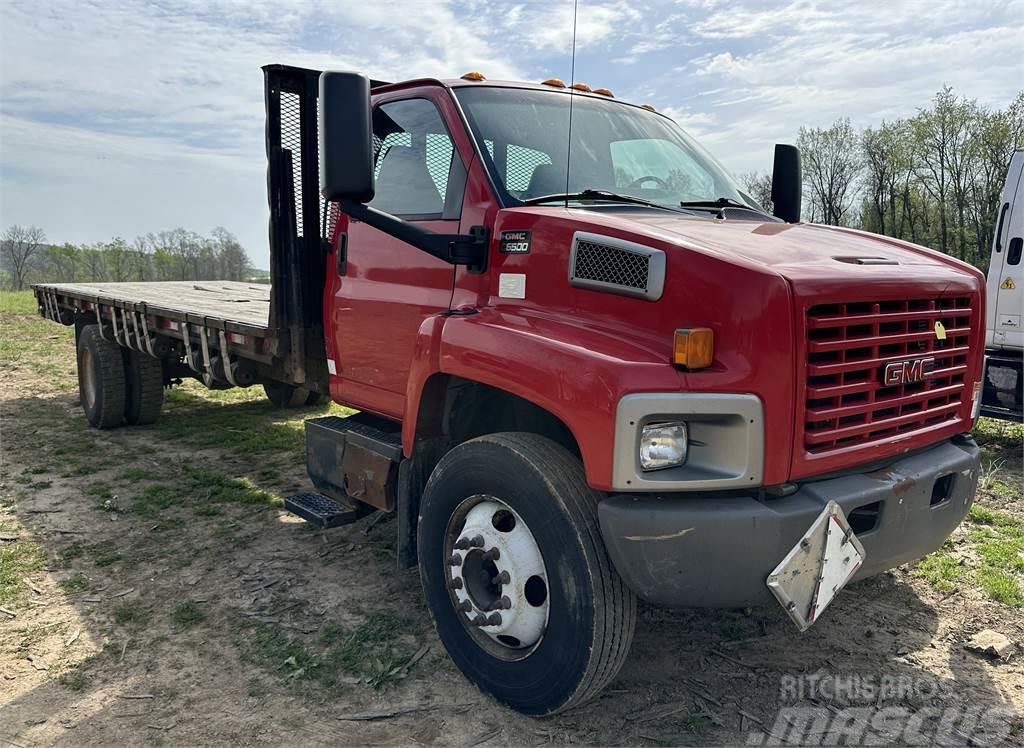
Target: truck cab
(1004,334)
(536,274)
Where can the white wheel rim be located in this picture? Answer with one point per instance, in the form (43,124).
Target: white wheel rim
(497,578)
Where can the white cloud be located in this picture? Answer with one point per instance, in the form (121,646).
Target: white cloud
(119,118)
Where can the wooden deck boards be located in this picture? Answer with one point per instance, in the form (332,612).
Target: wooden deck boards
(243,303)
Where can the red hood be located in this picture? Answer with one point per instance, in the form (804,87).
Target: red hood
(793,250)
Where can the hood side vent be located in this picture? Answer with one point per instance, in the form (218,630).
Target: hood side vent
(605,263)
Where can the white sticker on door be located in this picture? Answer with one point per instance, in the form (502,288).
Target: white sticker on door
(512,285)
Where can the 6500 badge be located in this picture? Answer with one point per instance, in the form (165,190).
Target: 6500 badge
(515,242)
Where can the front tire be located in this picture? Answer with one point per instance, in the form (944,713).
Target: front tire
(491,508)
(101,385)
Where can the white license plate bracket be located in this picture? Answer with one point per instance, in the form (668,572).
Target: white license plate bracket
(817,567)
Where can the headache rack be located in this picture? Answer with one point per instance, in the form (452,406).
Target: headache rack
(847,403)
(301,221)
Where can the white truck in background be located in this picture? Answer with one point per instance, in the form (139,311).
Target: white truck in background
(1004,334)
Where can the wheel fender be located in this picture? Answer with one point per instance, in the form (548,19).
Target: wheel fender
(579,378)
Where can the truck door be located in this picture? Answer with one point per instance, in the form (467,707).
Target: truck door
(386,287)
(1006,272)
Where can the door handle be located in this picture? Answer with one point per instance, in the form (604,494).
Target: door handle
(341,253)
(999,227)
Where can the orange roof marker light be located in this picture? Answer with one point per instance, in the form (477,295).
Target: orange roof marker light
(474,76)
(556,82)
(648,107)
(604,92)
(580,87)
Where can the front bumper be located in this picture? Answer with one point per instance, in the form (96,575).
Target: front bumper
(706,551)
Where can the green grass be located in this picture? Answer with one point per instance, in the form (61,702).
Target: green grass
(368,651)
(997,539)
(77,583)
(74,680)
(188,614)
(940,569)
(134,475)
(17,560)
(153,500)
(18,302)
(104,553)
(131,613)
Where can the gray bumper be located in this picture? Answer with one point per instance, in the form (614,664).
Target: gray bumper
(703,551)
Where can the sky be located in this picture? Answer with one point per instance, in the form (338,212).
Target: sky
(119,118)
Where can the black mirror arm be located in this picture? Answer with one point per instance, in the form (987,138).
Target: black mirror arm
(458,249)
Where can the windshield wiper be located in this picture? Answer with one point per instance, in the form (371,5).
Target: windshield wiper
(717,205)
(612,197)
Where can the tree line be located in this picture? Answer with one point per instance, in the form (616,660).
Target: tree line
(934,178)
(178,254)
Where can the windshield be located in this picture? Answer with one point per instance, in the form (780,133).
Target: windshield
(615,148)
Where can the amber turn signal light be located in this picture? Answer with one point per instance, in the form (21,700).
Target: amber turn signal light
(694,348)
(474,76)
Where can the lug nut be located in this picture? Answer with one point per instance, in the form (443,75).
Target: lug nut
(455,584)
(455,560)
(502,578)
(464,543)
(504,603)
(464,607)
(492,555)
(494,619)
(479,621)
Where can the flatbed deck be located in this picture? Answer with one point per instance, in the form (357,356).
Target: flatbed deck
(241,304)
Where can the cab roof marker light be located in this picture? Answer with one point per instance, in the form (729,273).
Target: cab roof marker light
(580,87)
(474,75)
(648,107)
(604,92)
(556,82)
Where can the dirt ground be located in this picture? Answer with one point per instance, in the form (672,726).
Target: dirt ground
(154,592)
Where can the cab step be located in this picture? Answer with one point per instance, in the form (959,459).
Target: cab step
(322,511)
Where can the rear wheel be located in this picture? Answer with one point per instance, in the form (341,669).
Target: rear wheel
(101,384)
(516,575)
(144,384)
(289,396)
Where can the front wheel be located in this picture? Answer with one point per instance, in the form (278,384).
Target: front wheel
(516,575)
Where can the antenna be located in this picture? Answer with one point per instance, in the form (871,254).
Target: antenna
(572,96)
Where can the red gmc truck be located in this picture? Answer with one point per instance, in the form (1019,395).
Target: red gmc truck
(590,369)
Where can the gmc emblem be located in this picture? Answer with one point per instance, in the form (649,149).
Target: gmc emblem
(907,372)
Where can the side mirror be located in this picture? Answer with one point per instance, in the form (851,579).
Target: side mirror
(787,183)
(346,137)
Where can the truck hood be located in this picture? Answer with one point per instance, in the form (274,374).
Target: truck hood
(792,250)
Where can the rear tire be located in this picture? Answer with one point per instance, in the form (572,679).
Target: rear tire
(101,384)
(287,395)
(588,613)
(144,385)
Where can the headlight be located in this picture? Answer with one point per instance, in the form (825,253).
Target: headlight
(662,445)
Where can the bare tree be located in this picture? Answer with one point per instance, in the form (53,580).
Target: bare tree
(758,185)
(21,248)
(832,164)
